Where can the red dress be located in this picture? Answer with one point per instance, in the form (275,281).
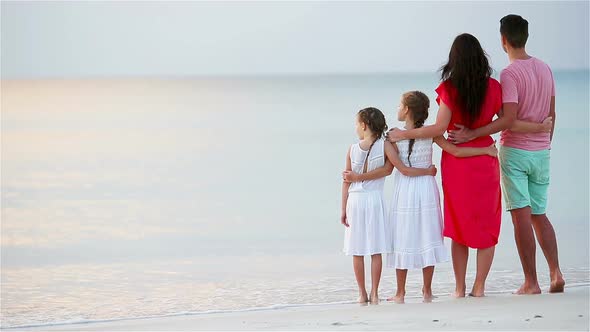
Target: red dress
(471,186)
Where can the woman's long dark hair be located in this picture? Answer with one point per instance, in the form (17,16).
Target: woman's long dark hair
(468,69)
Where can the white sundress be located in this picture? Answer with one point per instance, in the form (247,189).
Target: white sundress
(415,214)
(365,209)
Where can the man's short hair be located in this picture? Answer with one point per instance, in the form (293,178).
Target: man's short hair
(515,29)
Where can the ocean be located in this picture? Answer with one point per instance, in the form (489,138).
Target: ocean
(148,197)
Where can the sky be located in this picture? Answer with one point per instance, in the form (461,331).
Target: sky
(178,39)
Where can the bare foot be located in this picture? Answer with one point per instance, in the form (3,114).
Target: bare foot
(557,284)
(399,299)
(526,289)
(363,298)
(477,291)
(459,293)
(427,295)
(374,299)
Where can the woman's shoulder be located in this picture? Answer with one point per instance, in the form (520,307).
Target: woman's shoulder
(494,86)
(446,92)
(445,85)
(493,82)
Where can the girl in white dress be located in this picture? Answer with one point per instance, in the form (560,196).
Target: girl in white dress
(415,214)
(367,230)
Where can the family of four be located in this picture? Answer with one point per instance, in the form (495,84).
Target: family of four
(411,232)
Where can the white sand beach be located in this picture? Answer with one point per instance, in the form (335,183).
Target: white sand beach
(568,311)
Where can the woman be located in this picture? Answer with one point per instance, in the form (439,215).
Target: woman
(468,97)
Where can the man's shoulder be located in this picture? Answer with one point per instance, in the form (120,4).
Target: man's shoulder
(540,61)
(508,73)
(518,66)
(511,68)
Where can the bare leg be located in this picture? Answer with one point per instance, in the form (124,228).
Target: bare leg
(376,267)
(427,274)
(525,242)
(548,242)
(358,263)
(460,254)
(400,293)
(484,262)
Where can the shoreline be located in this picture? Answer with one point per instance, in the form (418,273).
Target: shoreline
(565,311)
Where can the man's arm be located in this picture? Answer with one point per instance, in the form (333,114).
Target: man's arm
(521,126)
(533,127)
(505,121)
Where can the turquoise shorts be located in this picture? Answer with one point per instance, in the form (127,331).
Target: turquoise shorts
(525,178)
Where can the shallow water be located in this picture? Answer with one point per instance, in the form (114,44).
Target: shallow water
(135,198)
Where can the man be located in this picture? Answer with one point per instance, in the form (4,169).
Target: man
(528,91)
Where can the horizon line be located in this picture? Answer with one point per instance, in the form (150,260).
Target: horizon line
(246,75)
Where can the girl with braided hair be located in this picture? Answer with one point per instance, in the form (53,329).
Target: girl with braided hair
(367,230)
